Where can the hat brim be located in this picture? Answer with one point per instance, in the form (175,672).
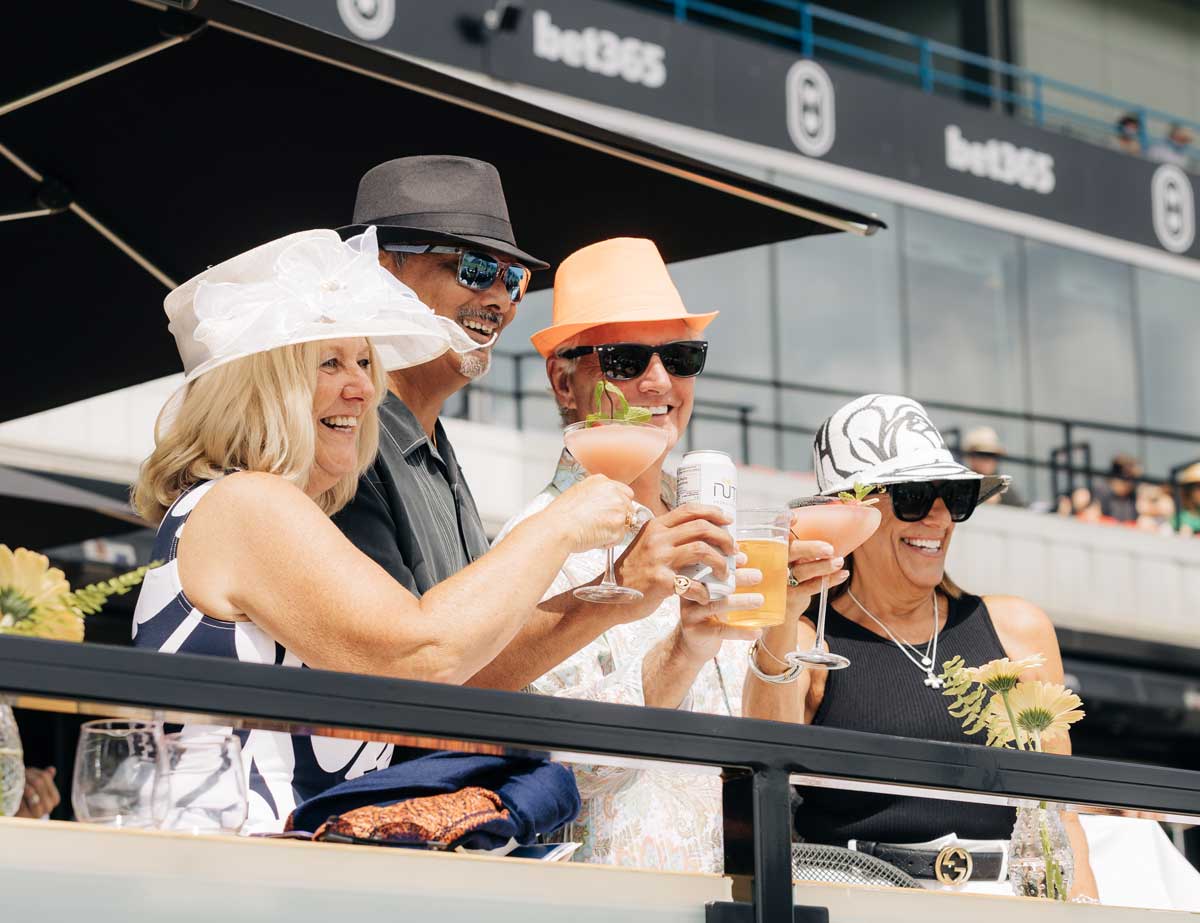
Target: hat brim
(396,234)
(548,341)
(400,346)
(891,473)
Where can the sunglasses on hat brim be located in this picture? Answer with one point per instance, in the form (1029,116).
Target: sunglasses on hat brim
(625,361)
(478,270)
(912,500)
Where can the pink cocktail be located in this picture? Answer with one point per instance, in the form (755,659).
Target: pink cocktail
(622,451)
(845,526)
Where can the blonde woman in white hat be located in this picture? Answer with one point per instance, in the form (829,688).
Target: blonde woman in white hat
(899,617)
(284,350)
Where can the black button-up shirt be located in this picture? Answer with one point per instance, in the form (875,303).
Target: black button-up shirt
(414,514)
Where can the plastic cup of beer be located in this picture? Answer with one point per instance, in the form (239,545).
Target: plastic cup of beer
(762,535)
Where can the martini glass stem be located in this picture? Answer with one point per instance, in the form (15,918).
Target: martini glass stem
(610,574)
(822,607)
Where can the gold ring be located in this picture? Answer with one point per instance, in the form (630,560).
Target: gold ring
(630,521)
(681,584)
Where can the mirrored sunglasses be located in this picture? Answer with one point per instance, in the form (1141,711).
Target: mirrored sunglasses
(477,270)
(624,361)
(912,501)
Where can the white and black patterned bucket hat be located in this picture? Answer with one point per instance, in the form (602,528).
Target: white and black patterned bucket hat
(888,439)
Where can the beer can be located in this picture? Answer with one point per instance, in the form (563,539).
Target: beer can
(710,478)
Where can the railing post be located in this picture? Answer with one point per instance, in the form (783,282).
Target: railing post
(926,66)
(806,31)
(681,10)
(518,391)
(744,422)
(1068,435)
(1143,132)
(1039,112)
(772,846)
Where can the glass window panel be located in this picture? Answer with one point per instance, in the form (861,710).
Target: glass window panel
(1169,336)
(838,301)
(1082,362)
(964,312)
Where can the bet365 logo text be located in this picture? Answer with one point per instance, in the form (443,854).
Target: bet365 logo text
(600,51)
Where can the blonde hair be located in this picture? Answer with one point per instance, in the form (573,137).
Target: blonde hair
(251,414)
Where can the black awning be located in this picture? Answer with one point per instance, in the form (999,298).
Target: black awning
(190,137)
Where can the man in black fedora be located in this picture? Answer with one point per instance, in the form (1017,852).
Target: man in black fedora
(443,229)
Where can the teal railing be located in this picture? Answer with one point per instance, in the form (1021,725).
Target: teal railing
(1045,101)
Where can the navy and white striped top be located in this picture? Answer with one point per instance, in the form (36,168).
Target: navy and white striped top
(283,770)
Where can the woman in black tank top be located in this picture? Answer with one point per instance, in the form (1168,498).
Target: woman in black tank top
(891,608)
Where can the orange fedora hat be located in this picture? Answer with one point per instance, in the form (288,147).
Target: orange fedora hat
(617,281)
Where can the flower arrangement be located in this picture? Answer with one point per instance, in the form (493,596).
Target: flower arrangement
(1025,715)
(36,600)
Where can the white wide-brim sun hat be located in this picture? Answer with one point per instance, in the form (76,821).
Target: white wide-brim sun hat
(301,288)
(886,439)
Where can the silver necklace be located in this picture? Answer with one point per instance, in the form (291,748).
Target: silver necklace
(922,661)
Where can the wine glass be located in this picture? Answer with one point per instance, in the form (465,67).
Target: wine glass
(621,450)
(200,787)
(845,526)
(115,766)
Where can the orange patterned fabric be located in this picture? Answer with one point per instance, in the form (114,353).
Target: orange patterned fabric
(440,819)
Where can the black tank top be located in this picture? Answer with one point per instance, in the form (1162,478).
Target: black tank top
(884,693)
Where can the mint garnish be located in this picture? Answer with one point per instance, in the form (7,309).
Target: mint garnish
(618,407)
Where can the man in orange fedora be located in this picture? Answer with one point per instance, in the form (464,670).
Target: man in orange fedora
(619,318)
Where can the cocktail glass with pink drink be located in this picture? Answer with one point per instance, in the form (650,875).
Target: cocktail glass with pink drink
(621,450)
(845,526)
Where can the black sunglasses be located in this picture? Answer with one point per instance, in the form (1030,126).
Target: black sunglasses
(623,361)
(478,271)
(912,501)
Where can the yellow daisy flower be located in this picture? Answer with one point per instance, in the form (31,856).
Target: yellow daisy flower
(1043,712)
(1003,675)
(32,597)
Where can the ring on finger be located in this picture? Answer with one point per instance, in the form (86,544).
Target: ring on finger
(792,581)
(630,520)
(682,584)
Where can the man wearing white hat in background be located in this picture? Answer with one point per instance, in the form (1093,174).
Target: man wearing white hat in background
(618,318)
(982,451)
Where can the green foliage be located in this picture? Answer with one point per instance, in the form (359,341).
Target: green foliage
(969,703)
(618,407)
(860,494)
(91,599)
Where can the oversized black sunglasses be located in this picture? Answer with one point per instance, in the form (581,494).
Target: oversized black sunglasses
(623,361)
(478,271)
(912,501)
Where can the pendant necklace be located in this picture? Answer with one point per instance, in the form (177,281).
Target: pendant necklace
(922,661)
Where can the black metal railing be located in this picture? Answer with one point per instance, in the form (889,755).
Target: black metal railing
(1070,463)
(758,758)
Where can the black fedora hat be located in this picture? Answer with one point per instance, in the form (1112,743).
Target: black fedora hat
(437,199)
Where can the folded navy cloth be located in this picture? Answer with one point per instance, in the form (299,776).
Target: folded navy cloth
(540,796)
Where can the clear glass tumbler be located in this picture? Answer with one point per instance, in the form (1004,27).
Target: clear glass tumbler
(201,787)
(115,767)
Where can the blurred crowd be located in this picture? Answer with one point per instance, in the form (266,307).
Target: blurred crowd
(1123,498)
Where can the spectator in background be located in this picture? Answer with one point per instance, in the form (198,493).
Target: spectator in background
(1129,133)
(1156,509)
(1173,148)
(982,451)
(1080,505)
(1187,519)
(1117,497)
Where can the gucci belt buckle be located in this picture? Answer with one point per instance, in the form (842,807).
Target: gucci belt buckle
(953,866)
